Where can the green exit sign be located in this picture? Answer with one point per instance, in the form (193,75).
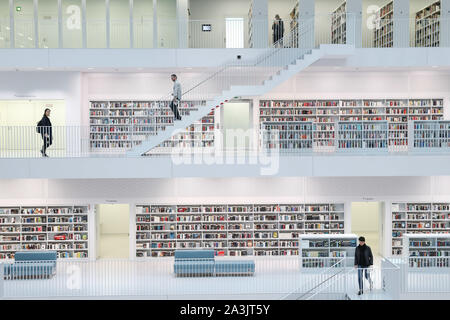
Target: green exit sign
(18,9)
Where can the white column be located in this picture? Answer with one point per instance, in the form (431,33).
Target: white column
(132,232)
(354,22)
(131,24)
(155,24)
(182,23)
(445,23)
(306,11)
(401,23)
(84,23)
(260,24)
(60,28)
(108,24)
(36,23)
(12,38)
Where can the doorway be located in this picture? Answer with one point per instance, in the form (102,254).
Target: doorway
(234,33)
(368,221)
(235,119)
(112,231)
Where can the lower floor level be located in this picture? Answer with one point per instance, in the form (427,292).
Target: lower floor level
(151,218)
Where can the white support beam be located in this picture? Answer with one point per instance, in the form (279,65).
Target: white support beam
(182,23)
(354,22)
(401,23)
(306,11)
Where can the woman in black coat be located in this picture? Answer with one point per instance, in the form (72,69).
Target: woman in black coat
(45,129)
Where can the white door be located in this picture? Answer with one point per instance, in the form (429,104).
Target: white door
(234,32)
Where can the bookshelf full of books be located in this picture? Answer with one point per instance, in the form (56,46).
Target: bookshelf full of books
(427,26)
(432,135)
(63,229)
(339,25)
(364,135)
(199,136)
(120,125)
(418,218)
(233,230)
(287,136)
(384,29)
(325,251)
(385,121)
(427,250)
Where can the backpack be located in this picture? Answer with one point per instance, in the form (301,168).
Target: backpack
(39,124)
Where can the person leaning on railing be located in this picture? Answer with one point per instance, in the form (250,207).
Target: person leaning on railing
(44,128)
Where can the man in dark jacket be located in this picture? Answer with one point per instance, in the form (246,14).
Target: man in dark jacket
(44,128)
(278,31)
(363,260)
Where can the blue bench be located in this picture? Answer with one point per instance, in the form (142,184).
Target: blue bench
(31,265)
(198,263)
(194,263)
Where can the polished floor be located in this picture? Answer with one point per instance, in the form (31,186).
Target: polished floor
(273,279)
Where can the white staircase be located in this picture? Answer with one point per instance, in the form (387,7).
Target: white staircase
(284,73)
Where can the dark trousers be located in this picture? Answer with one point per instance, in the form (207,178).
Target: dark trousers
(47,143)
(361,271)
(174,107)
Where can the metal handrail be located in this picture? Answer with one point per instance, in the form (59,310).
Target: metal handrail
(321,273)
(326,280)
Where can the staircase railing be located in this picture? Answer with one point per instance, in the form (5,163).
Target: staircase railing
(317,280)
(216,87)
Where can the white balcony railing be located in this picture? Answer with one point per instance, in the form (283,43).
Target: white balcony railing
(145,32)
(425,137)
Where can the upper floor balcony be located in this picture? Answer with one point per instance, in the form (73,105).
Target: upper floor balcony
(302,149)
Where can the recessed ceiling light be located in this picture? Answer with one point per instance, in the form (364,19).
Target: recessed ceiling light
(434,66)
(90,68)
(39,68)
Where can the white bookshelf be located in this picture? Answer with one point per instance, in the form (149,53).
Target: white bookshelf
(324,251)
(427,250)
(427,26)
(418,218)
(35,228)
(287,136)
(384,30)
(339,25)
(363,135)
(432,135)
(116,125)
(330,117)
(233,230)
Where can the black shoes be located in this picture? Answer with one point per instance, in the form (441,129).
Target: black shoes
(360,292)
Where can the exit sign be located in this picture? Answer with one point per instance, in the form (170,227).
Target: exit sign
(18,9)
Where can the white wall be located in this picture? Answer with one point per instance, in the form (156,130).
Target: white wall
(215,12)
(45,86)
(216,190)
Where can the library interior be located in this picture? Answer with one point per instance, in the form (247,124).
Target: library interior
(225,150)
